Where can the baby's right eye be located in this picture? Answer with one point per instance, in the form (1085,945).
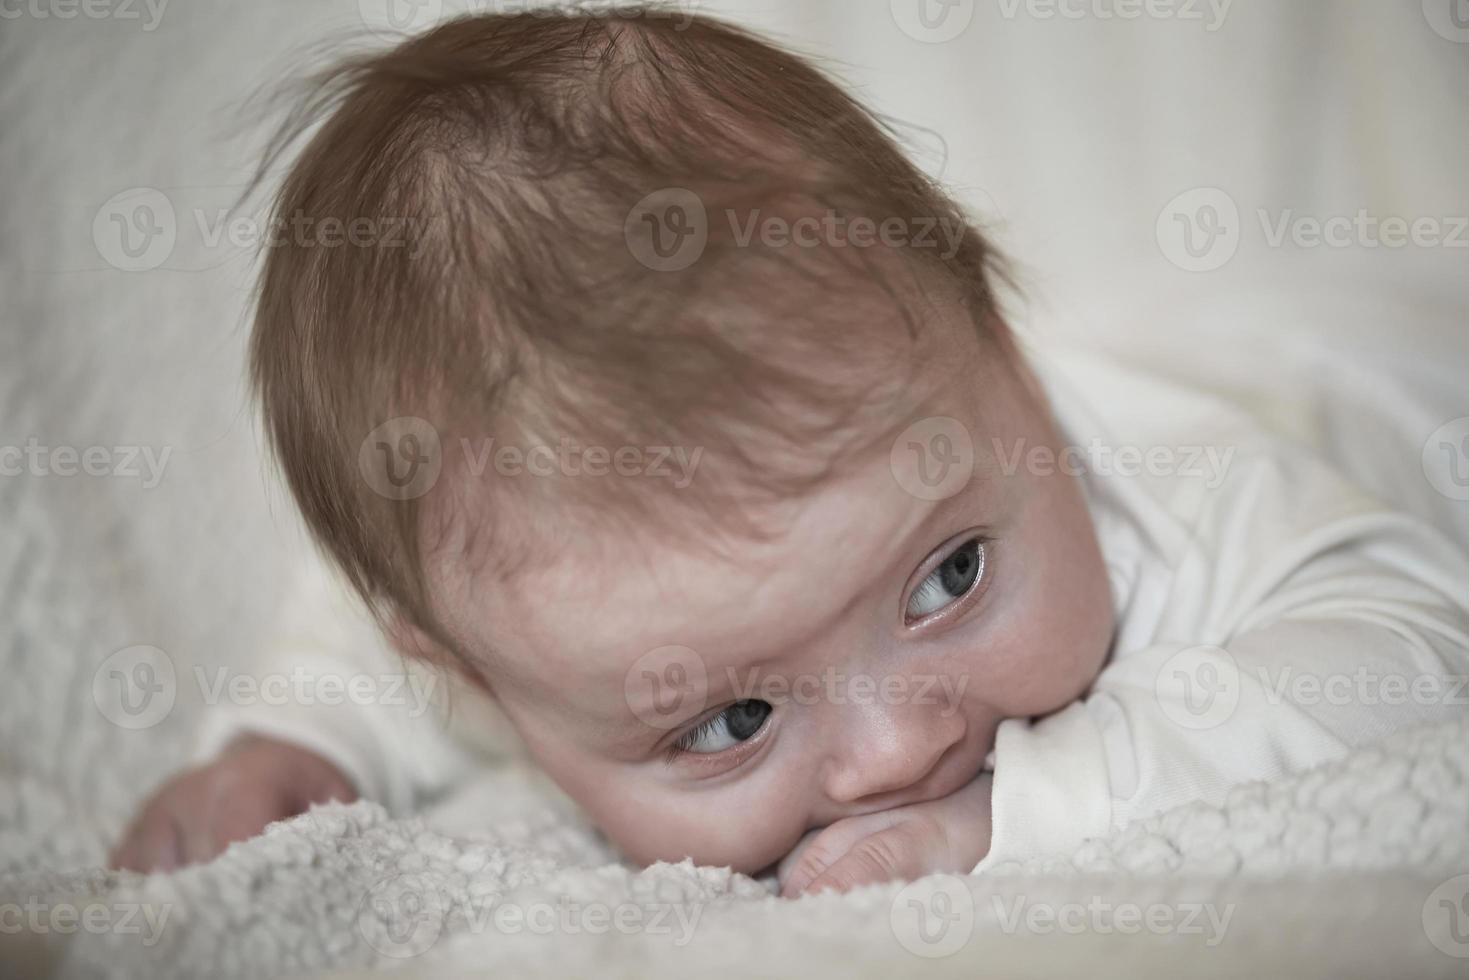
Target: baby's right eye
(738,723)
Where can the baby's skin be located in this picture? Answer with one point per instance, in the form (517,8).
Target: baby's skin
(196,814)
(988,604)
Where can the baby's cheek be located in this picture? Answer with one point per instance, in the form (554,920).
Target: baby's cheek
(734,829)
(1034,665)
(1057,626)
(652,812)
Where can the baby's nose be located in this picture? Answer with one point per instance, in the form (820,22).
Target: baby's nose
(888,748)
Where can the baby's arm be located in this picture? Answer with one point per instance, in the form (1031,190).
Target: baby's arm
(334,713)
(255,781)
(1324,623)
(949,834)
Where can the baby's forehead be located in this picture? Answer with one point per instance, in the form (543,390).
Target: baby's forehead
(584,553)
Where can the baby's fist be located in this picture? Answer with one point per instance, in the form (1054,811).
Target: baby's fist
(949,834)
(195,815)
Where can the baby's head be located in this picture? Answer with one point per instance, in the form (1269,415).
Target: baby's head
(655,420)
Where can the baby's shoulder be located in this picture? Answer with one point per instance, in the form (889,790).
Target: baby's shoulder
(1206,506)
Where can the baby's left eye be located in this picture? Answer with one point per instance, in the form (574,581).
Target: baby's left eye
(947,583)
(738,723)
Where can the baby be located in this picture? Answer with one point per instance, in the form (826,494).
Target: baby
(884,615)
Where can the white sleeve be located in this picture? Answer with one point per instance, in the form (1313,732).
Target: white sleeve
(1342,635)
(330,682)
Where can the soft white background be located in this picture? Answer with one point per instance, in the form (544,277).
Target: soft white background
(1068,137)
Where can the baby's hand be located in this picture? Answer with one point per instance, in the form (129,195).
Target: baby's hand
(253,782)
(949,834)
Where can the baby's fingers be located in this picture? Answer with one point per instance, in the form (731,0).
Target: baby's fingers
(154,843)
(899,853)
(821,849)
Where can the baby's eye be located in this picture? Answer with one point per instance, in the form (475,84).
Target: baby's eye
(738,723)
(948,582)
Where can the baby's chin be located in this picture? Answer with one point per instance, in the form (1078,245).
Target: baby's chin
(758,860)
(754,848)
(769,876)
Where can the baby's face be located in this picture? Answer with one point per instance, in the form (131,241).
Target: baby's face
(719,702)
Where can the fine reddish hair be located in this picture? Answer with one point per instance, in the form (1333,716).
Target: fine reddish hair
(510,153)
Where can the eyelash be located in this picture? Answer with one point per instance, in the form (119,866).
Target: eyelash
(680,747)
(944,555)
(677,751)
